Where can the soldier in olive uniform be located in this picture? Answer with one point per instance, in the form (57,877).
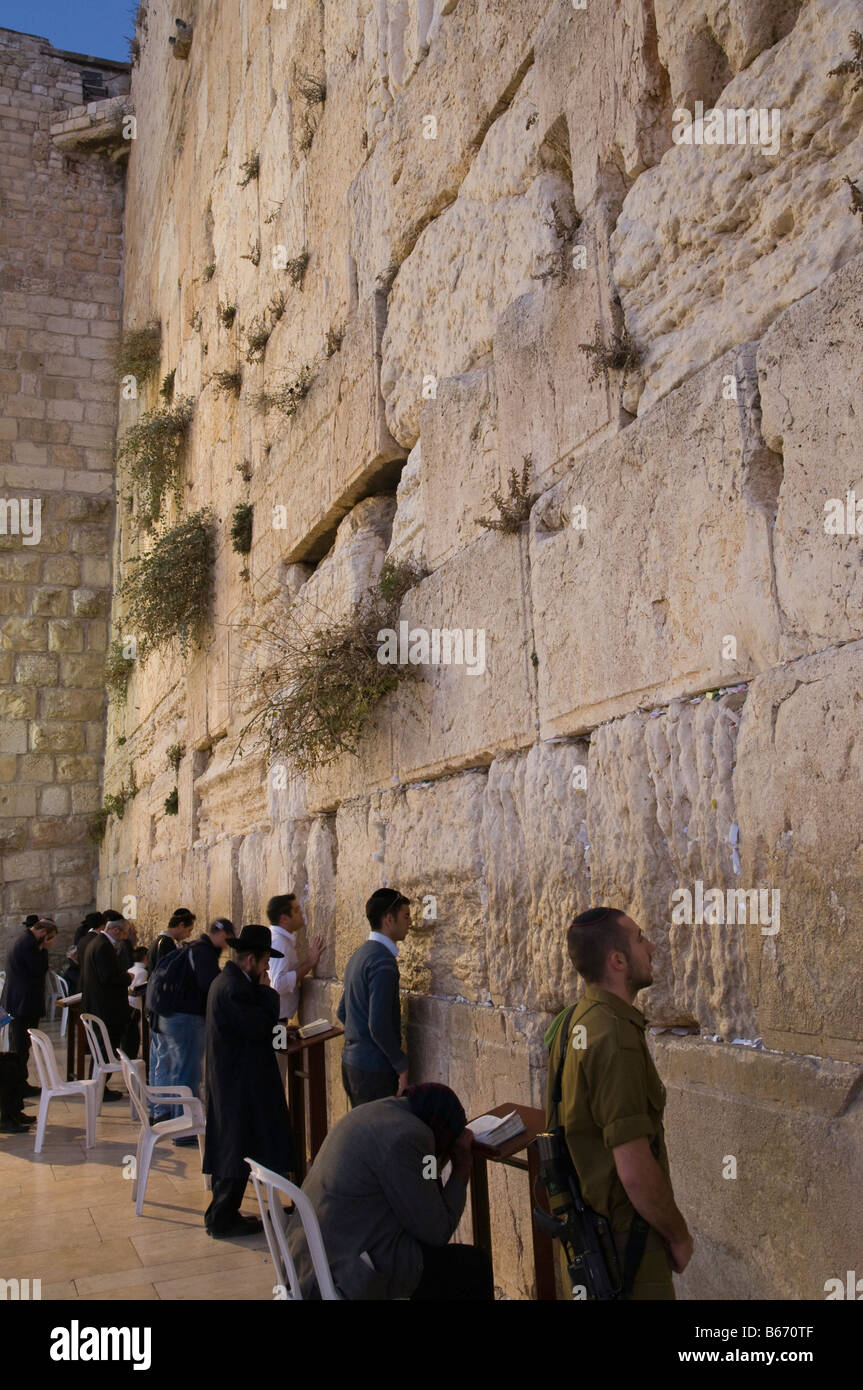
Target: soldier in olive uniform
(612,1099)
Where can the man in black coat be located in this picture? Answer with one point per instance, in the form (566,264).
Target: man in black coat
(24,990)
(105,984)
(246,1110)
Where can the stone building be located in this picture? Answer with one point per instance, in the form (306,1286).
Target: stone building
(398,251)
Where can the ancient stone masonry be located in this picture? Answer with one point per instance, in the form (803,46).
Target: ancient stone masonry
(404,256)
(61,234)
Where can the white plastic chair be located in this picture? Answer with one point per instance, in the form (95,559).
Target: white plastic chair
(55,988)
(105,1063)
(53,1088)
(268,1185)
(190,1122)
(64,1013)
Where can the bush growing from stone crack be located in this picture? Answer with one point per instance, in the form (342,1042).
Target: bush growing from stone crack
(96,826)
(139,352)
(152,450)
(228,383)
(169,590)
(251,168)
(166,390)
(257,337)
(228,314)
(619,353)
(323,681)
(514,509)
(296,268)
(172,803)
(241,528)
(174,754)
(288,398)
(253,254)
(852,65)
(118,669)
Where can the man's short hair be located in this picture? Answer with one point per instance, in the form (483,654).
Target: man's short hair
(46,924)
(221,924)
(140,953)
(109,916)
(591,936)
(181,917)
(280,906)
(382,902)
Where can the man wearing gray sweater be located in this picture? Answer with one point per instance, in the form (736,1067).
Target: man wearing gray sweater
(385,1216)
(374,1064)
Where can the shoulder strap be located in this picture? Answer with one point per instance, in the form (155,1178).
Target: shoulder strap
(563,1033)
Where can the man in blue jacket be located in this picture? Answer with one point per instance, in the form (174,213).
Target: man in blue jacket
(373,1062)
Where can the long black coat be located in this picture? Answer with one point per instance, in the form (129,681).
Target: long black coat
(247,1114)
(105,985)
(26,968)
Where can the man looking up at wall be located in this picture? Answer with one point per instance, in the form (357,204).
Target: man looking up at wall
(285,917)
(612,1102)
(373,1062)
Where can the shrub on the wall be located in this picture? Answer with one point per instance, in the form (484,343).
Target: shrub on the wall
(324,682)
(139,352)
(118,669)
(152,450)
(241,528)
(169,590)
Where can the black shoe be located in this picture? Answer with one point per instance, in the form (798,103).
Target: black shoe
(13,1127)
(32,1091)
(112,1095)
(23,1119)
(243,1226)
(186,1141)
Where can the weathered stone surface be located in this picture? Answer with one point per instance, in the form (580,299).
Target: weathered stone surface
(808,418)
(458,466)
(702,44)
(710,246)
(797,751)
(618,622)
(792,1125)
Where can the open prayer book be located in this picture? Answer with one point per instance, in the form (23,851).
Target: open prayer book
(318,1025)
(494,1131)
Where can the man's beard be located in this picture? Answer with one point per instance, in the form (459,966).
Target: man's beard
(635,982)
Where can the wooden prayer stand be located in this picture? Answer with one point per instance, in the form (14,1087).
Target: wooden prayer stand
(307,1081)
(543,1245)
(76,1042)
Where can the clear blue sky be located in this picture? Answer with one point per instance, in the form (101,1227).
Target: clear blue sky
(99,28)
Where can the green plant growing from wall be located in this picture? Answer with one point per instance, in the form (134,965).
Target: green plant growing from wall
(115,803)
(856,204)
(251,168)
(617,355)
(254,253)
(290,396)
(296,268)
(514,509)
(166,390)
(334,339)
(245,470)
(174,753)
(208,272)
(169,591)
(228,383)
(118,669)
(241,528)
(152,450)
(323,680)
(139,352)
(257,337)
(172,803)
(277,306)
(96,826)
(227,314)
(852,65)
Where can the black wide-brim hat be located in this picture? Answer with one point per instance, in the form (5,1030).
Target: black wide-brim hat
(255,937)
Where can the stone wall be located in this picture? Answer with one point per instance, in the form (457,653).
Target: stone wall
(674,644)
(61,227)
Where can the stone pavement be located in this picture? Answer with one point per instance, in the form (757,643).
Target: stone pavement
(67,1216)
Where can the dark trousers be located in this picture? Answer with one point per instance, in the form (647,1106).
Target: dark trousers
(11,1086)
(227,1198)
(131,1039)
(455,1273)
(363,1086)
(20,1039)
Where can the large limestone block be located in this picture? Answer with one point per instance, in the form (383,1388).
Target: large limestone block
(786,1222)
(661,818)
(459,468)
(457,715)
(360,831)
(233,785)
(704,42)
(318,901)
(270,862)
(617,125)
(635,598)
(432,855)
(410,178)
(534,849)
(807,375)
(507,227)
(340,434)
(408,538)
(719,239)
(797,788)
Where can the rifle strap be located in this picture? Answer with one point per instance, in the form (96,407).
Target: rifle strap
(557,1092)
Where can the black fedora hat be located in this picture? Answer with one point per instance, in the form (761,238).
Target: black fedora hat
(255,937)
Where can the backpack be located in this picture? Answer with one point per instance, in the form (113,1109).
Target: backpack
(167,982)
